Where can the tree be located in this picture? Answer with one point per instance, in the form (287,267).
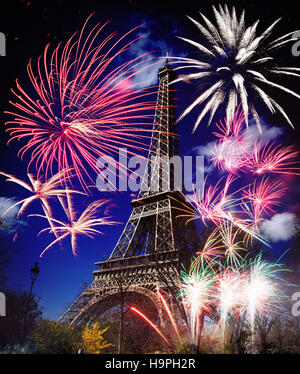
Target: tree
(52,337)
(258,341)
(5,259)
(93,340)
(293,257)
(138,336)
(12,325)
(285,336)
(123,285)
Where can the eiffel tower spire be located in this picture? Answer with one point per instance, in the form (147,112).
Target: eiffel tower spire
(156,185)
(153,241)
(164,143)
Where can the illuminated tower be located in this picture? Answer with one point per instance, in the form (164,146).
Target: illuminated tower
(154,243)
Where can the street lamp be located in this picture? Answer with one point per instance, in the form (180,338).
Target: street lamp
(34,272)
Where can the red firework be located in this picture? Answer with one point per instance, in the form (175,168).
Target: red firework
(80,105)
(142,315)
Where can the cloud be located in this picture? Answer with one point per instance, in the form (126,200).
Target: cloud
(252,134)
(9,222)
(280,227)
(204,150)
(155,45)
(268,132)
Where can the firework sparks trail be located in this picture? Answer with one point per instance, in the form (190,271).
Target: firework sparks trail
(81,106)
(169,314)
(262,293)
(83,225)
(252,221)
(236,61)
(171,317)
(262,195)
(138,312)
(236,151)
(248,227)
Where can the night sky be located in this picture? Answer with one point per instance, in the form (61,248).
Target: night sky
(29,26)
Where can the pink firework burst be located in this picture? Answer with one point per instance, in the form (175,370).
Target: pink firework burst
(264,195)
(214,202)
(82,104)
(231,127)
(232,150)
(230,154)
(272,158)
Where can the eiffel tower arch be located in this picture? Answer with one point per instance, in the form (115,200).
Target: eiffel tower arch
(155,243)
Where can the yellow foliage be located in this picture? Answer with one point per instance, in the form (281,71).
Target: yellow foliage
(93,340)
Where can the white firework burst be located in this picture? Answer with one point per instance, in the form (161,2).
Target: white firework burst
(235,66)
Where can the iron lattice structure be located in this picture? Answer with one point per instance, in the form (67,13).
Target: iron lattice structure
(154,243)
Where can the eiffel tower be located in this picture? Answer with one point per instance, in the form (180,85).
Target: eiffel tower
(155,242)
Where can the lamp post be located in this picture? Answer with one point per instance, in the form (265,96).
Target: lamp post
(34,272)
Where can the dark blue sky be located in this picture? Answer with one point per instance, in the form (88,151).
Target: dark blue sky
(29,26)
